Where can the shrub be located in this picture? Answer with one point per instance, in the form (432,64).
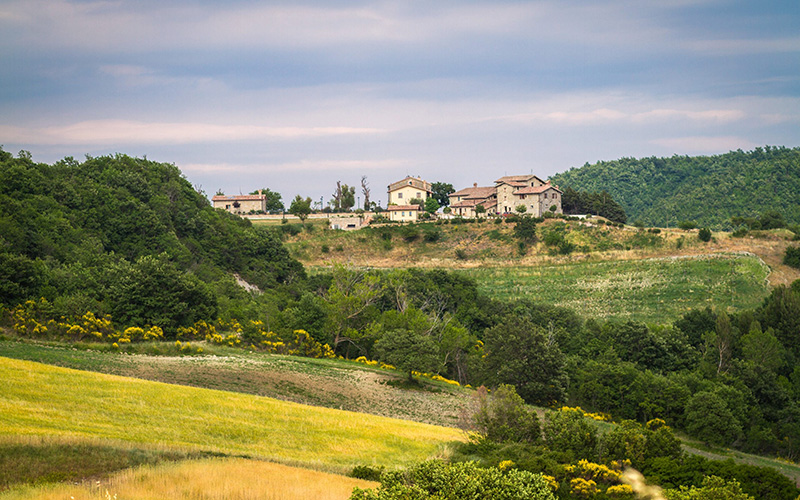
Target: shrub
(792,257)
(687,224)
(464,480)
(367,473)
(432,235)
(461,254)
(503,417)
(525,229)
(704,234)
(325,249)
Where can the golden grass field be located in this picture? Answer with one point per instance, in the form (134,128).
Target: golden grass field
(208,479)
(42,400)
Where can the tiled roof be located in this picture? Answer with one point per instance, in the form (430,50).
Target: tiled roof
(396,208)
(475,192)
(474,202)
(512,179)
(537,189)
(244,197)
(411,181)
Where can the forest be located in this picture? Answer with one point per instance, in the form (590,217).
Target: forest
(123,249)
(705,190)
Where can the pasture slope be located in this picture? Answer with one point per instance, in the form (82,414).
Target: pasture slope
(54,403)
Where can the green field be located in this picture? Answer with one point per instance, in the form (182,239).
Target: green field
(339,384)
(656,290)
(41,400)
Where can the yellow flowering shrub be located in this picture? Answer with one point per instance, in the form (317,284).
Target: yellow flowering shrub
(583,487)
(506,464)
(552,482)
(619,490)
(600,417)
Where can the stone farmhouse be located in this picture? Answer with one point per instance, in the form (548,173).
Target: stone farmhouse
(464,202)
(400,195)
(241,204)
(508,193)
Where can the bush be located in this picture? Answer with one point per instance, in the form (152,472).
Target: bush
(432,235)
(503,417)
(325,249)
(367,473)
(687,224)
(464,480)
(704,235)
(525,229)
(792,257)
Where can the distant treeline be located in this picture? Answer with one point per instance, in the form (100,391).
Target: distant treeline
(708,190)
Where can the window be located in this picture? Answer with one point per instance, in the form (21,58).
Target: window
(545,196)
(418,195)
(400,195)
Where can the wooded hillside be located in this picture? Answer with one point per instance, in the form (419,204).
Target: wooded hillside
(706,189)
(125,236)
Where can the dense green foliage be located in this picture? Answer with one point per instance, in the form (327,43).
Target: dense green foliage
(595,203)
(706,189)
(436,480)
(126,236)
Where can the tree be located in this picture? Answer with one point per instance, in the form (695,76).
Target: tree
(440,191)
(525,230)
(365,191)
(273,201)
(349,297)
(431,205)
(348,200)
(300,208)
(502,416)
(521,209)
(567,430)
(479,210)
(407,342)
(792,257)
(763,348)
(627,440)
(704,235)
(523,354)
(153,291)
(708,418)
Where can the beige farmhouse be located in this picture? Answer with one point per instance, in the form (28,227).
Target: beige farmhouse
(464,203)
(402,192)
(529,191)
(404,213)
(241,204)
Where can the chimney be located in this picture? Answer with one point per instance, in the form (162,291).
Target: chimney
(474,184)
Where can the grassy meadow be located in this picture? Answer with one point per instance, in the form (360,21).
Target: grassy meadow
(208,479)
(97,406)
(344,385)
(657,290)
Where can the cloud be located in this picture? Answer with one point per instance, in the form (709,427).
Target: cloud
(743,46)
(110,132)
(704,144)
(307,166)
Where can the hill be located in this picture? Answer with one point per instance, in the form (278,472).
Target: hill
(706,189)
(129,237)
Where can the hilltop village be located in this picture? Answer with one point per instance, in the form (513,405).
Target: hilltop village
(409,199)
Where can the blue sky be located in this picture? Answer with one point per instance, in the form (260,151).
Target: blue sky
(295,95)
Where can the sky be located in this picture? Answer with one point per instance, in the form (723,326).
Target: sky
(296,95)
